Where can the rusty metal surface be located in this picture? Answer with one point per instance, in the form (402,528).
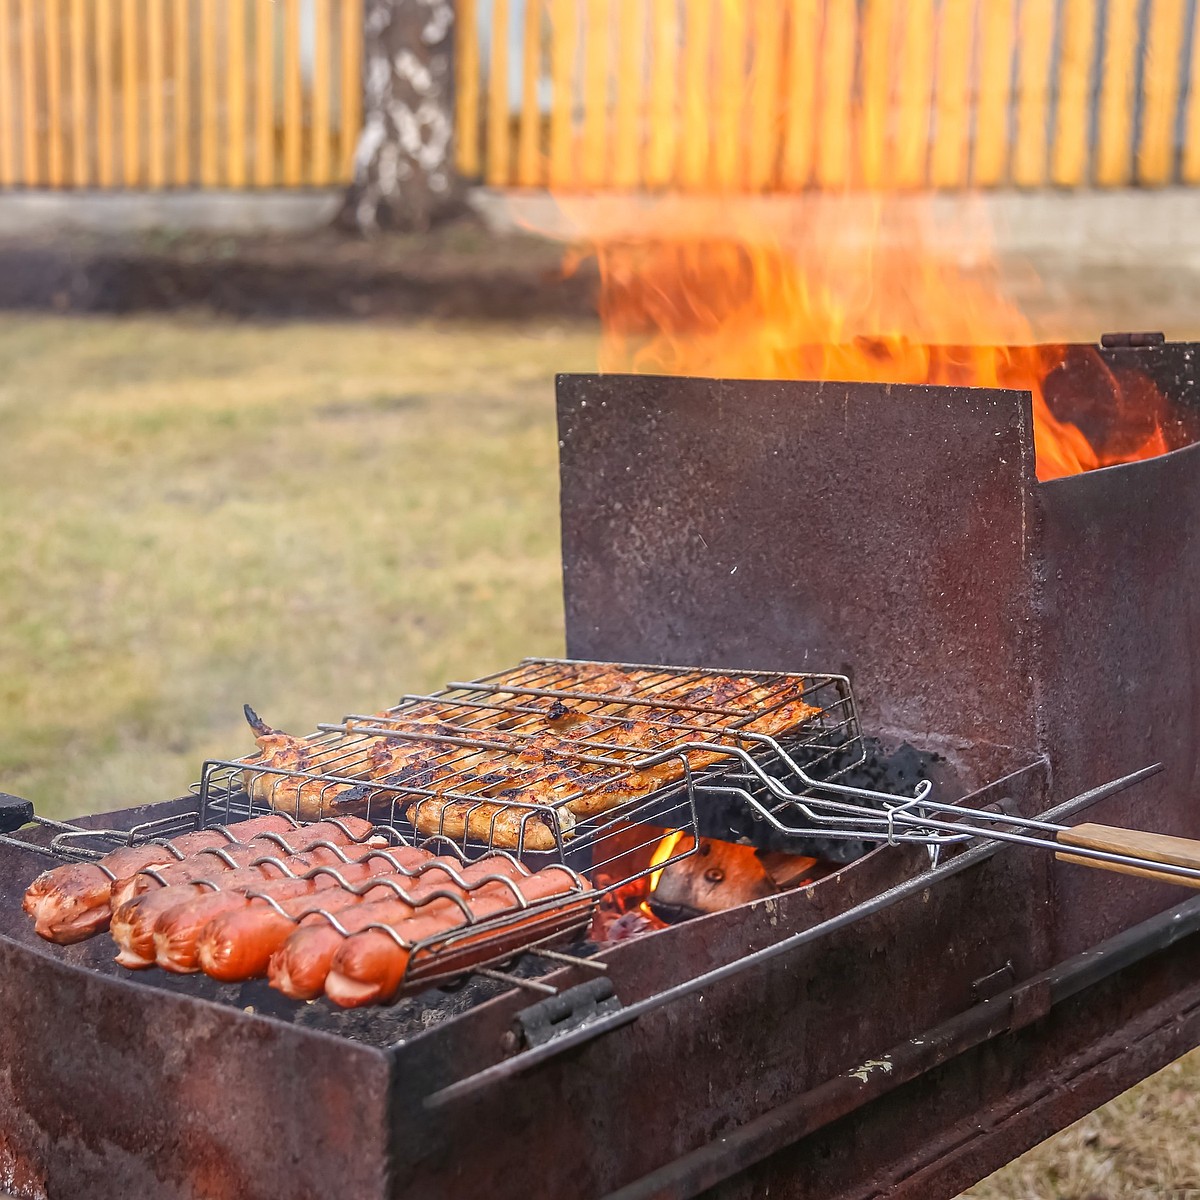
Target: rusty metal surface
(677,1078)
(884,532)
(1120,663)
(995,1017)
(958,1122)
(781,525)
(110,1087)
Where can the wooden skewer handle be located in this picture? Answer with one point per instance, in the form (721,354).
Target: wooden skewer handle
(1180,852)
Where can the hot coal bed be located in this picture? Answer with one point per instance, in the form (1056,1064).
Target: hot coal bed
(901,1026)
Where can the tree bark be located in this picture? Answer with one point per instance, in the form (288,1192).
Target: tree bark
(403,168)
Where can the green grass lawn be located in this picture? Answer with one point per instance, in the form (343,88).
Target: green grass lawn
(315,519)
(311,518)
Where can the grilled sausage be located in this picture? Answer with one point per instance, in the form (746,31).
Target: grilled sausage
(298,969)
(74,901)
(369,968)
(178,931)
(133,922)
(238,944)
(210,864)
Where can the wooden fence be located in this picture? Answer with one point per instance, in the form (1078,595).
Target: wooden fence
(780,95)
(179,93)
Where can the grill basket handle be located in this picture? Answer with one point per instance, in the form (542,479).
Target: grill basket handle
(14,812)
(1179,852)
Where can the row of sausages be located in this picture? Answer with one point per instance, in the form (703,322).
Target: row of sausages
(321,909)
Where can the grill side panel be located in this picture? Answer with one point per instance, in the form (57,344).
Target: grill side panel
(111,1088)
(1122,665)
(882,532)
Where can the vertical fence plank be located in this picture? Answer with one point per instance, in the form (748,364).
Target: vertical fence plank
(466,85)
(131,107)
(804,24)
(156,67)
(914,94)
(996,26)
(662,141)
(1033,93)
(730,94)
(8,126)
(837,87)
(209,175)
(77,37)
(499,150)
(106,170)
(564,49)
(697,84)
(264,94)
(597,57)
(352,81)
(181,70)
(52,29)
(1160,92)
(876,104)
(235,92)
(766,69)
(1114,140)
(1190,167)
(1070,153)
(293,96)
(30,159)
(948,166)
(529,152)
(631,94)
(322,93)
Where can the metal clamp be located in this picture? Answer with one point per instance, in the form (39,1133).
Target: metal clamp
(557,1015)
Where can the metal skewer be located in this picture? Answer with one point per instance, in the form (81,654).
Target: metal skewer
(921,820)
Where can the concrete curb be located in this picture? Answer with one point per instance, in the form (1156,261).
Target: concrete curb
(24,214)
(1093,228)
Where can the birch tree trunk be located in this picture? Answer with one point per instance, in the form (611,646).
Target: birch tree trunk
(403,167)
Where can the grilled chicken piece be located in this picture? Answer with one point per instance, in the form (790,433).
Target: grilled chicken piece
(539,761)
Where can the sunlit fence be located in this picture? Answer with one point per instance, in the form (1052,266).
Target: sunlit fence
(781,95)
(179,93)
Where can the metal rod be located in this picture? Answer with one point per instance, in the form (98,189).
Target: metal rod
(866,821)
(571,960)
(515,981)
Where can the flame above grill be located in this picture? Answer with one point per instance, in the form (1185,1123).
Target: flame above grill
(862,291)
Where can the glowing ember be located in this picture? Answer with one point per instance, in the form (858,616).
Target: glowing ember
(662,852)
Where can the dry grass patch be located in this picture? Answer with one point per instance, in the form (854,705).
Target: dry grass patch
(313,518)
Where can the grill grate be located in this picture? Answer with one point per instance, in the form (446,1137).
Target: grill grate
(579,731)
(466,779)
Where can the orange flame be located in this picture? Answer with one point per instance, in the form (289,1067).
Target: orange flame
(850,289)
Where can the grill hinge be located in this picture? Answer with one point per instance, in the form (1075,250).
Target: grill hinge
(1131,341)
(556,1015)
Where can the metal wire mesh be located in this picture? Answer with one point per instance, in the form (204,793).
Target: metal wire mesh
(545,758)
